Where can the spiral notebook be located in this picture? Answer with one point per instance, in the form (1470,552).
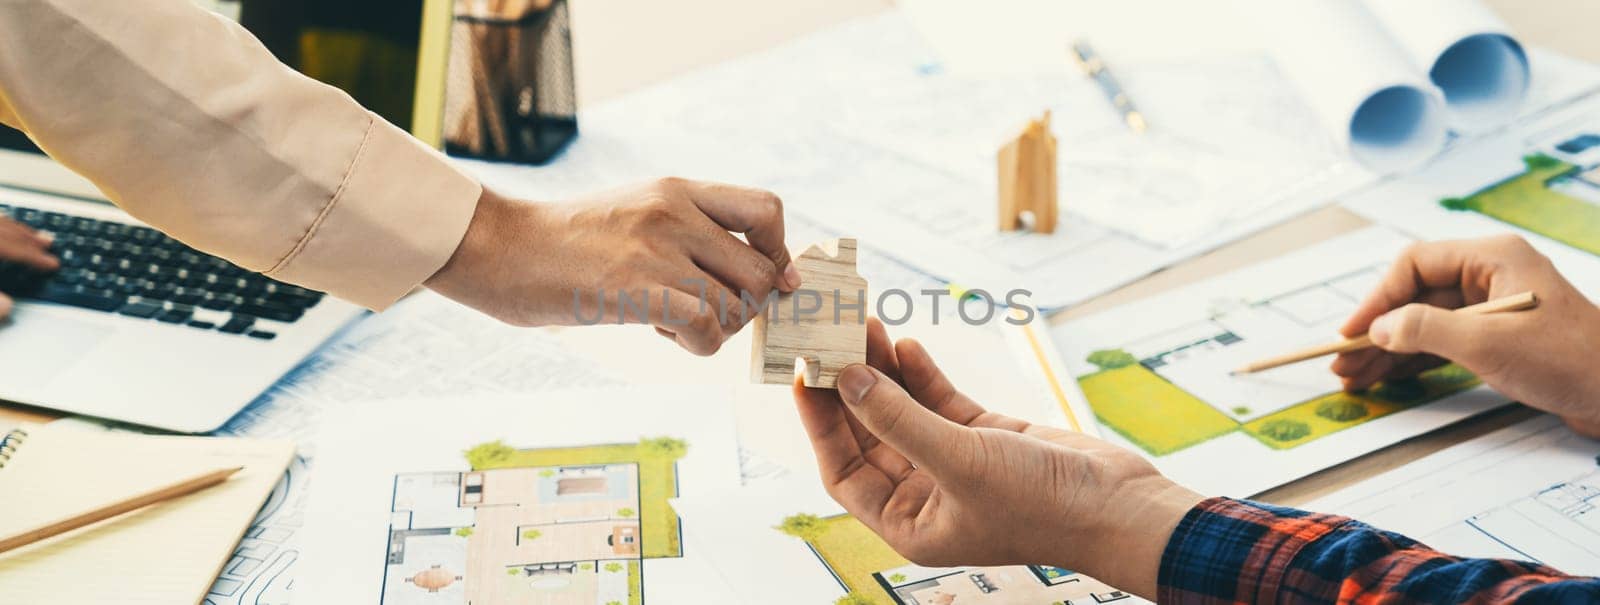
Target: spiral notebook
(166,553)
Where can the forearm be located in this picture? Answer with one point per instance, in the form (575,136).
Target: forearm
(188,123)
(1228,551)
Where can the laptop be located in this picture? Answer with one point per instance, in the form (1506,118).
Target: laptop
(139,328)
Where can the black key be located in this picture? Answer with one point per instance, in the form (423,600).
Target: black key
(187,296)
(142,309)
(262,335)
(29,217)
(204,325)
(127,285)
(80,296)
(158,290)
(178,314)
(239,324)
(269,310)
(219,302)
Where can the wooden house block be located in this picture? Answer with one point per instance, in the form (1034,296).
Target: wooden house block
(1028,178)
(823,323)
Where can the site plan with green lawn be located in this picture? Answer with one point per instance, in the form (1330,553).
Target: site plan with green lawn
(1159,372)
(1551,197)
(871,573)
(556,526)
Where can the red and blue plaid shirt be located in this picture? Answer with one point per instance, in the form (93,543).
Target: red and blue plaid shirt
(1231,551)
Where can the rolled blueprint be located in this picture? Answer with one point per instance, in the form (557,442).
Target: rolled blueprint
(1466,51)
(1361,83)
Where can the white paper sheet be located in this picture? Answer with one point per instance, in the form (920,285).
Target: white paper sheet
(1167,391)
(1030,37)
(400,466)
(740,532)
(426,345)
(1530,491)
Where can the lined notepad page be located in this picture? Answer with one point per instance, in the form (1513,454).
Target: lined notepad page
(166,553)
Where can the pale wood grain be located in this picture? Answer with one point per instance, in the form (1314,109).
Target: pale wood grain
(827,339)
(1027,178)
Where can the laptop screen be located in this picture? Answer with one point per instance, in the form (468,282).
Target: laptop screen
(387,54)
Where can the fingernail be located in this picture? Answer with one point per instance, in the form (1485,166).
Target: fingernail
(791,276)
(47,237)
(854,382)
(1382,330)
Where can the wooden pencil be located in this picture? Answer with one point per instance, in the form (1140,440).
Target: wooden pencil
(1515,302)
(138,501)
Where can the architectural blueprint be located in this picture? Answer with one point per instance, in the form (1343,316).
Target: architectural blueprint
(425,345)
(791,530)
(518,499)
(1530,491)
(1157,372)
(1541,181)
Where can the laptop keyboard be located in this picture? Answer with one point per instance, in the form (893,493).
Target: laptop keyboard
(140,272)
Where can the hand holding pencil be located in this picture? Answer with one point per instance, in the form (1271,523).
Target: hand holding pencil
(1544,357)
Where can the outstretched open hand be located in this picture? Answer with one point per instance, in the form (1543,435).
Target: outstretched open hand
(946,482)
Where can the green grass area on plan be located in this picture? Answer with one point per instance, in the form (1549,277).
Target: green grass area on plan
(635,584)
(1325,415)
(658,481)
(1151,412)
(1526,201)
(854,553)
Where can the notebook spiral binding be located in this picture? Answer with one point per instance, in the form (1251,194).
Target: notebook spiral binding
(9,443)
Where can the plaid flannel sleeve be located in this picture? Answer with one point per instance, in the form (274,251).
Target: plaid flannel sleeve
(1232,551)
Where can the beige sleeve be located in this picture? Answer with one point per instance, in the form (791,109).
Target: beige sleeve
(186,121)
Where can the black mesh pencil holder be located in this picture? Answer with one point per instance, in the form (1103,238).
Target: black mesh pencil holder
(510,94)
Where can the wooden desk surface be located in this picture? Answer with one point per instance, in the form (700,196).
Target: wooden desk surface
(623,45)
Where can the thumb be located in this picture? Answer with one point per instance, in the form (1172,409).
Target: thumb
(1420,328)
(885,409)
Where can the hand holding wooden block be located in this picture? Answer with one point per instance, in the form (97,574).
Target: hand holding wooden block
(822,323)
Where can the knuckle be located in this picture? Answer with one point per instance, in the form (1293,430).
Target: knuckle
(891,418)
(765,272)
(1410,325)
(1510,242)
(669,184)
(706,321)
(771,203)
(919,552)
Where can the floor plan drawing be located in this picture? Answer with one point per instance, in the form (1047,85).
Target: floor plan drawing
(871,573)
(1558,525)
(1172,390)
(1529,492)
(1159,372)
(562,526)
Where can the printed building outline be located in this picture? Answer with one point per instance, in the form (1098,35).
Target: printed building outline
(871,573)
(559,526)
(1166,393)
